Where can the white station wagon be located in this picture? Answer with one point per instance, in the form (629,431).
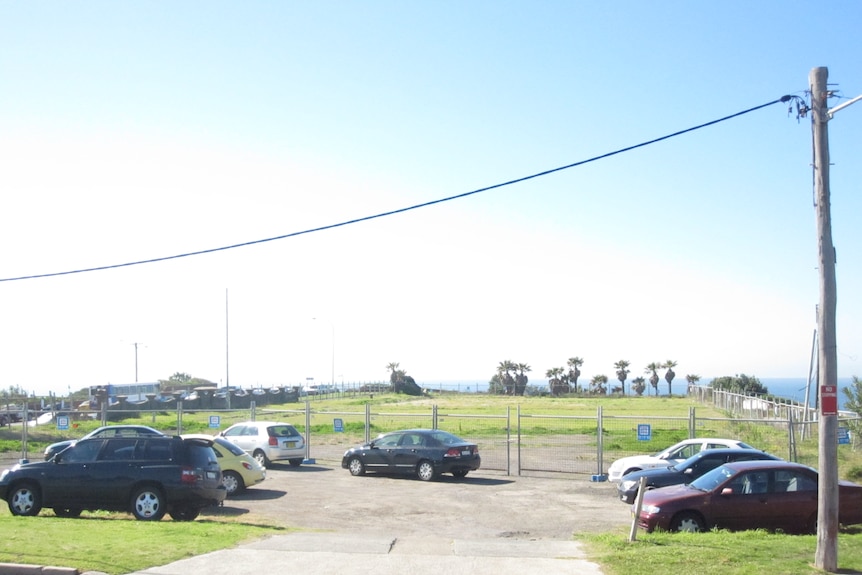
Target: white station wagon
(670,456)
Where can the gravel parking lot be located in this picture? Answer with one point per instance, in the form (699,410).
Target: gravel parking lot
(485,504)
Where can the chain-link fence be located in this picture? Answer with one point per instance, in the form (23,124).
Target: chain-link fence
(513,441)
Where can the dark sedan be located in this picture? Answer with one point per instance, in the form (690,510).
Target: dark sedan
(686,471)
(772,495)
(425,453)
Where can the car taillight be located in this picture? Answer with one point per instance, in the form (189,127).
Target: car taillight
(190,475)
(452,452)
(247,465)
(273,441)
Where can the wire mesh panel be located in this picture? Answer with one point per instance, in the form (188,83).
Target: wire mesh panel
(625,436)
(565,444)
(489,432)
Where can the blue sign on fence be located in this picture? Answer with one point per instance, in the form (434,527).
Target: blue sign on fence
(63,422)
(338,424)
(215,421)
(644,432)
(843,436)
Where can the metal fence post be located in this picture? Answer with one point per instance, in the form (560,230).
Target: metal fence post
(508,440)
(179,416)
(600,447)
(367,423)
(519,438)
(308,458)
(692,423)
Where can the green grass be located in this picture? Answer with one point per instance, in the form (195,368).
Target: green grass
(114,543)
(718,553)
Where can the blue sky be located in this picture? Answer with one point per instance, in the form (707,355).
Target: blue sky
(131,131)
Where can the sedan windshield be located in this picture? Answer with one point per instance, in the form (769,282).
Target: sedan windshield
(711,480)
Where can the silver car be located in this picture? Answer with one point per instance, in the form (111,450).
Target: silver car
(268,441)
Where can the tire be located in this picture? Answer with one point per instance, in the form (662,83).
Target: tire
(687,521)
(261,458)
(295,462)
(460,473)
(148,503)
(232,482)
(425,471)
(185,513)
(356,467)
(67,512)
(25,500)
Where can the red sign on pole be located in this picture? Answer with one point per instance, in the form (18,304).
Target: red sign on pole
(828,400)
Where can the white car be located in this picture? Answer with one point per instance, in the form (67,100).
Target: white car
(268,441)
(670,456)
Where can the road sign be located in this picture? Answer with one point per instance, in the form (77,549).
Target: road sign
(829,400)
(644,432)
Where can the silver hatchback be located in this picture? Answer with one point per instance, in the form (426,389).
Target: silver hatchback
(268,441)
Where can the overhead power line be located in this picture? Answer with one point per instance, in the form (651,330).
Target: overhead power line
(783,99)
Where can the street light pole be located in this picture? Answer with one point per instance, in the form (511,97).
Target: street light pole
(136,344)
(332,374)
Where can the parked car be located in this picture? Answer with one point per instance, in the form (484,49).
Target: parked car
(671,456)
(106,431)
(268,441)
(146,476)
(686,471)
(426,453)
(772,495)
(239,470)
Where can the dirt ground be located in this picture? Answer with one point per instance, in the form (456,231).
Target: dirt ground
(484,504)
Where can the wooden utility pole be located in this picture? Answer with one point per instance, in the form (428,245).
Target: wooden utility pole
(826,556)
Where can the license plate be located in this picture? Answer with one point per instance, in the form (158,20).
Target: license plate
(466,452)
(289,444)
(211,474)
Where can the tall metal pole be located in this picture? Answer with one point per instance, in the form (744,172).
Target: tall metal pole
(826,556)
(332,376)
(226,351)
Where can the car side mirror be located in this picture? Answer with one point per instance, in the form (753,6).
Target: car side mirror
(727,491)
(689,471)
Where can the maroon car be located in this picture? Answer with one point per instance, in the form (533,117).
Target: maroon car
(772,495)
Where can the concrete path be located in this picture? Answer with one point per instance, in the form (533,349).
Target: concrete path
(354,554)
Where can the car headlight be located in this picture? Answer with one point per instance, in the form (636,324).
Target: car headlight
(4,474)
(629,484)
(651,509)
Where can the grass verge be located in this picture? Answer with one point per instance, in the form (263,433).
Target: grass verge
(718,553)
(114,543)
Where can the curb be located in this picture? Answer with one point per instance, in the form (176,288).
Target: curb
(24,569)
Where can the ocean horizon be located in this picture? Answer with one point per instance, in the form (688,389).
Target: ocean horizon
(793,388)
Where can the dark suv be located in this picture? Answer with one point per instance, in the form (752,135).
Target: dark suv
(146,476)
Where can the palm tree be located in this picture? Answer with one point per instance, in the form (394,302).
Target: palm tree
(692,379)
(597,384)
(622,373)
(669,374)
(574,364)
(653,378)
(521,378)
(554,376)
(639,385)
(505,377)
(392,366)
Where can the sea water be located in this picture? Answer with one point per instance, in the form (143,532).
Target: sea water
(793,388)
